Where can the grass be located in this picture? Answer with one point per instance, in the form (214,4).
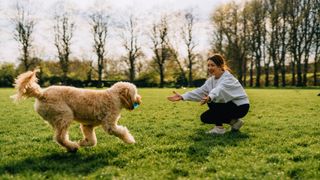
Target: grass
(280,140)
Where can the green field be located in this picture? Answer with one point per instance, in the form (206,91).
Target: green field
(280,140)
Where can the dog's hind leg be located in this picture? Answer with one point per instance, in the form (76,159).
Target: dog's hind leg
(89,136)
(62,136)
(121,132)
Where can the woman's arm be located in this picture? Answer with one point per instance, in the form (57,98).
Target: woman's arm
(227,90)
(197,94)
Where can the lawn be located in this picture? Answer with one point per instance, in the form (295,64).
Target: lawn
(280,140)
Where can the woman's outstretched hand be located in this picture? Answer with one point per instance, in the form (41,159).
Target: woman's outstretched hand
(175,97)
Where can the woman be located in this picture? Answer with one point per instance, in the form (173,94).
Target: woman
(226,98)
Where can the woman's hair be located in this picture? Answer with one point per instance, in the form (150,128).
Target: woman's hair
(219,61)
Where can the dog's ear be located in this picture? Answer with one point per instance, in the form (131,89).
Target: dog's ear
(126,99)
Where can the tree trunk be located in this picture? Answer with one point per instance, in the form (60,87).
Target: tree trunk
(293,72)
(132,70)
(245,72)
(266,83)
(258,73)
(305,68)
(275,76)
(283,74)
(315,67)
(251,73)
(240,72)
(190,81)
(100,70)
(299,73)
(161,85)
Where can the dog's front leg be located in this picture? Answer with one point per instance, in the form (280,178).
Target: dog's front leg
(111,127)
(89,136)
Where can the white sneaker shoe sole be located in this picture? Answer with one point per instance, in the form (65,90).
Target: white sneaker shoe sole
(216,131)
(237,125)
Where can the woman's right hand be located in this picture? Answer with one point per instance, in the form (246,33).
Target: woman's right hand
(175,97)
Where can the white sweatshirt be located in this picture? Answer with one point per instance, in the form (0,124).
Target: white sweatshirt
(226,88)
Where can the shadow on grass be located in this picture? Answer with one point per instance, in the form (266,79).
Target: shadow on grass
(64,163)
(204,143)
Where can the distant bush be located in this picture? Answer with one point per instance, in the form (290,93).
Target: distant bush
(7,75)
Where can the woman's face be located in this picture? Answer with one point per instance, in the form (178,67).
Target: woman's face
(214,69)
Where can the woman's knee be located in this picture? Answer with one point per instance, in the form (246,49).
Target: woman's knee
(242,111)
(205,118)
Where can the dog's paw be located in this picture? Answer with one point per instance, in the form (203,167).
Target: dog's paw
(74,148)
(130,139)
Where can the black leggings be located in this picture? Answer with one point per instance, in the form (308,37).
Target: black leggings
(220,113)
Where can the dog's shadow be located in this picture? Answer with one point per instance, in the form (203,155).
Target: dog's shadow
(203,143)
(65,163)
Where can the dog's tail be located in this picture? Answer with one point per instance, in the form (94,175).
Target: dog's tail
(27,86)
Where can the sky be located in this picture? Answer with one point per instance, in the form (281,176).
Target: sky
(147,11)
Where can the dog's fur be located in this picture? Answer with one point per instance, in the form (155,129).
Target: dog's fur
(60,105)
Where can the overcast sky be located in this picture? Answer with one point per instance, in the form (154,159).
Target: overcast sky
(146,10)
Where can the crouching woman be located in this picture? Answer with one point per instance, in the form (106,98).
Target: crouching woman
(224,95)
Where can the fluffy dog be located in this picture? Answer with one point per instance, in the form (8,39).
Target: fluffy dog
(60,105)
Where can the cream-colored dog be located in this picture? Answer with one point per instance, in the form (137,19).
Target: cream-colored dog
(60,105)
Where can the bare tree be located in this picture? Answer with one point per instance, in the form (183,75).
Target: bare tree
(130,43)
(244,16)
(300,37)
(160,47)
(187,35)
(217,42)
(283,46)
(309,28)
(231,33)
(174,56)
(273,38)
(99,26)
(63,29)
(316,43)
(257,37)
(24,26)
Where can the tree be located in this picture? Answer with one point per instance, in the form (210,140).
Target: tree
(24,26)
(309,29)
(284,42)
(246,44)
(174,57)
(161,49)
(258,31)
(218,38)
(130,43)
(99,27)
(63,29)
(300,35)
(273,38)
(316,43)
(231,33)
(187,35)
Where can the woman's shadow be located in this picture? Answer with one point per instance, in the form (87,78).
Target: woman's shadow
(203,143)
(66,163)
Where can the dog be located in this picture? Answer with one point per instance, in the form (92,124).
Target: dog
(60,105)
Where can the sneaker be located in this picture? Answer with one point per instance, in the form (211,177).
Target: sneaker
(236,124)
(216,130)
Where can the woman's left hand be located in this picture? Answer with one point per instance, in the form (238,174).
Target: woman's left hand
(205,100)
